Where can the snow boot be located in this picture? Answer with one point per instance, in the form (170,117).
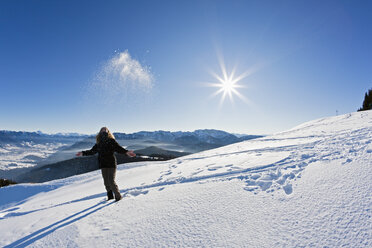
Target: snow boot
(118,198)
(110,195)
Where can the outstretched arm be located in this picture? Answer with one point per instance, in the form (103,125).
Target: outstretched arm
(120,149)
(131,154)
(88,152)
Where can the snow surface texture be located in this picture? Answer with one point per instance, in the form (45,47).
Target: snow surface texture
(306,187)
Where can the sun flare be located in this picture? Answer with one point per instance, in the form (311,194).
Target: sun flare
(228,84)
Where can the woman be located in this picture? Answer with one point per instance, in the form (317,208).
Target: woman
(106,145)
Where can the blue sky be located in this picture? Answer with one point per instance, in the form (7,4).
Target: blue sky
(307,58)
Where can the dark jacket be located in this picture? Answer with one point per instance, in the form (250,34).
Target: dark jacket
(106,148)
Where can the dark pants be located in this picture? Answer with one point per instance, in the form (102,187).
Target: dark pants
(108,175)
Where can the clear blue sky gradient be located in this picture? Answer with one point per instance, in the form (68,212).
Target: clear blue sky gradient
(313,58)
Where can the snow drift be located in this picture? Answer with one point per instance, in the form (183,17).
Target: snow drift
(309,186)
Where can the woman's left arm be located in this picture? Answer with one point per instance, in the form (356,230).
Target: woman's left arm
(119,149)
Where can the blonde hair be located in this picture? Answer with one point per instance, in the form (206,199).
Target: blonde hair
(104,130)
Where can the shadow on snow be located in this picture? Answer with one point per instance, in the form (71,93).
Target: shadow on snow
(41,233)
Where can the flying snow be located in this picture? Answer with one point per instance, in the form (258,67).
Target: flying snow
(121,77)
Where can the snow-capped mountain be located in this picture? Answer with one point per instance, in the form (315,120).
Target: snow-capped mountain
(201,135)
(9,137)
(307,187)
(22,151)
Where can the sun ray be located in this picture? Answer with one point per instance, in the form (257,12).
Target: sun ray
(228,82)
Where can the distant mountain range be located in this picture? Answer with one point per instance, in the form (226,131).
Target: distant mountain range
(14,137)
(69,143)
(37,150)
(209,136)
(190,142)
(154,151)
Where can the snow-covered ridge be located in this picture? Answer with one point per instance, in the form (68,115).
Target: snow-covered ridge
(275,162)
(22,151)
(203,135)
(306,187)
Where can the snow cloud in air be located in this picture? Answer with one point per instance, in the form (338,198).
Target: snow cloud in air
(120,78)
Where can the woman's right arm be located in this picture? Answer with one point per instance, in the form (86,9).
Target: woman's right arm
(88,152)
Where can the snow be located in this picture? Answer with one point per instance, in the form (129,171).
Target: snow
(307,187)
(15,159)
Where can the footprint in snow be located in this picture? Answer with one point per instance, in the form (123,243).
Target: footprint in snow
(288,189)
(137,192)
(255,176)
(347,161)
(250,188)
(214,168)
(197,172)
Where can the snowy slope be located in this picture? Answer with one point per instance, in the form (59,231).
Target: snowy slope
(306,187)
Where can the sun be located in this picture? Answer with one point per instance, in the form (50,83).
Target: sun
(228,84)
